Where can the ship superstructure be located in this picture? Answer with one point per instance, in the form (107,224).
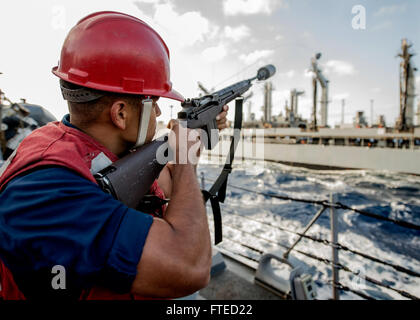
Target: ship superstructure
(292,140)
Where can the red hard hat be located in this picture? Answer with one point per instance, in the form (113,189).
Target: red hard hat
(112,51)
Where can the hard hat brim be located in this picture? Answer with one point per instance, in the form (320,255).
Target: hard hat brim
(171,94)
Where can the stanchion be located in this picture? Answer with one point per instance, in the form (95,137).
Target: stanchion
(334,241)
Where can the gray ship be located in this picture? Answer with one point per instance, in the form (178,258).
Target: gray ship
(291,140)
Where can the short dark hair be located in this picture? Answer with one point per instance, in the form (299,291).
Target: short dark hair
(88,112)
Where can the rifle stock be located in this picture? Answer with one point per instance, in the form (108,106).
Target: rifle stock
(130,178)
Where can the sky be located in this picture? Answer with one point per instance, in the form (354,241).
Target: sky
(220,42)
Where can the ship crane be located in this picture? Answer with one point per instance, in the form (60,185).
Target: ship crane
(319,77)
(407,88)
(292,113)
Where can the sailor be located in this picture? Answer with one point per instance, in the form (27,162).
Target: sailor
(53,216)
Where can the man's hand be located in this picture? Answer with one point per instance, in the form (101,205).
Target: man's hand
(221,119)
(165,177)
(184,142)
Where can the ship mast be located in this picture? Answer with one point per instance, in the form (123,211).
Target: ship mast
(294,99)
(319,77)
(268,93)
(313,125)
(407,88)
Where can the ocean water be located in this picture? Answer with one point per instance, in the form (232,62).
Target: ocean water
(384,193)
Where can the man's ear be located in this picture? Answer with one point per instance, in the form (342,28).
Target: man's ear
(119,114)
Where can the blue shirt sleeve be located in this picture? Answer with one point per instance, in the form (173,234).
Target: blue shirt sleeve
(53,216)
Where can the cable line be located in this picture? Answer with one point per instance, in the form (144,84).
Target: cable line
(360,294)
(327,242)
(401,223)
(336,205)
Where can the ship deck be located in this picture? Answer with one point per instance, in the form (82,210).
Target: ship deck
(236,282)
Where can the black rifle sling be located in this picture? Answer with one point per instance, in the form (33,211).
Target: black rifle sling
(152,204)
(217,192)
(217,216)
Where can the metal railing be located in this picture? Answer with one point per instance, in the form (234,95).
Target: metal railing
(334,263)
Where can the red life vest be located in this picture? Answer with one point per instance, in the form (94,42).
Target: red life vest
(58,144)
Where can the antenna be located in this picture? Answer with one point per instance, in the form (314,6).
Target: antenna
(171,106)
(407,87)
(371,112)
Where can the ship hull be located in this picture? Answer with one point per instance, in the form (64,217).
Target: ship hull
(327,157)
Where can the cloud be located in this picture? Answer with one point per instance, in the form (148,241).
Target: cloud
(308,73)
(214,54)
(237,33)
(249,7)
(306,35)
(290,74)
(187,29)
(139,2)
(387,11)
(390,10)
(418,86)
(341,68)
(180,25)
(383,26)
(341,96)
(254,56)
(280,97)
